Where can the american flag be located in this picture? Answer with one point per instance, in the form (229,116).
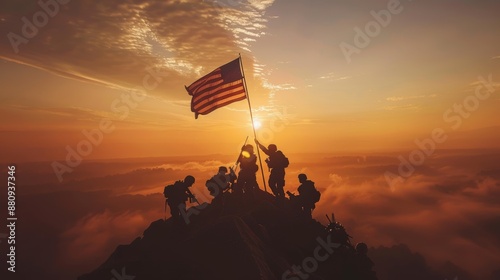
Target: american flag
(221,87)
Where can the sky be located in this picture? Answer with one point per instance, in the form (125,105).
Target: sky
(88,86)
(311,75)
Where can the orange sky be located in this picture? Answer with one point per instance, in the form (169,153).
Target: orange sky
(433,65)
(308,96)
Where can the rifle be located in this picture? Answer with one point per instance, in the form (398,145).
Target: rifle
(192,197)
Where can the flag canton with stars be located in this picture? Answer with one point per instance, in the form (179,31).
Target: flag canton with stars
(219,88)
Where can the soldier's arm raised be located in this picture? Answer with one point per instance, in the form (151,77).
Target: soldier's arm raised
(262,147)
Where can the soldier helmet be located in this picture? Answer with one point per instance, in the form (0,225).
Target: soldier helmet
(248,148)
(361,248)
(272,148)
(302,177)
(223,169)
(189,180)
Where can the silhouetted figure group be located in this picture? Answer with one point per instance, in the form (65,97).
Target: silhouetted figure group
(246,182)
(357,266)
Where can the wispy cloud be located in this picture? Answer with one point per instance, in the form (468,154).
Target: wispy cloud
(200,166)
(333,77)
(401,98)
(402,107)
(328,76)
(71,112)
(278,87)
(116,42)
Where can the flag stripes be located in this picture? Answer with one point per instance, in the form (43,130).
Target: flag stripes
(219,88)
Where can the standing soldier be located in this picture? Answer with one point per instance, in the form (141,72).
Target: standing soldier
(176,196)
(247,178)
(363,266)
(308,195)
(277,162)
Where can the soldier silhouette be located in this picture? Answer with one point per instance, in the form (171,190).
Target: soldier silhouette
(221,181)
(277,162)
(363,264)
(247,178)
(176,196)
(308,196)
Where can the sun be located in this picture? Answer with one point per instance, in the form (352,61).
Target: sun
(257,124)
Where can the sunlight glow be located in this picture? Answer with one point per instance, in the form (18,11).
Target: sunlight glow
(257,124)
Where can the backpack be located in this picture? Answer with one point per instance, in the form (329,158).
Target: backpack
(279,160)
(310,191)
(172,190)
(315,196)
(168,191)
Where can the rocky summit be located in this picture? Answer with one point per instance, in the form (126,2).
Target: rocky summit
(235,237)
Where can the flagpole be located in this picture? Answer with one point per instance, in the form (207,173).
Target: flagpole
(251,118)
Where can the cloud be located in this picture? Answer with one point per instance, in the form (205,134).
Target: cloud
(328,76)
(75,113)
(401,98)
(483,81)
(333,77)
(443,209)
(99,232)
(336,179)
(77,231)
(402,107)
(118,43)
(262,72)
(447,207)
(278,87)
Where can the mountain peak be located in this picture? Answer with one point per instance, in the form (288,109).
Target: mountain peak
(234,237)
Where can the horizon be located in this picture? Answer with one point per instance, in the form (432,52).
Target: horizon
(353,152)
